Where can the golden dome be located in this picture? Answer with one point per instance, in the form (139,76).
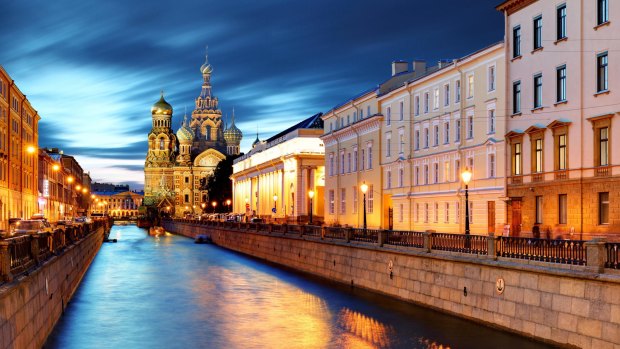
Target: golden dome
(161,107)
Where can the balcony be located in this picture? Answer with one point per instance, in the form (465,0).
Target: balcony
(602,171)
(561,174)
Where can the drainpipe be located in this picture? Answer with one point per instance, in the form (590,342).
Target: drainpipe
(10,177)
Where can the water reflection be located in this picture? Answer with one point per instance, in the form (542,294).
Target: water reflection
(166,292)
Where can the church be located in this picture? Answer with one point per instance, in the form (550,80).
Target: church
(177,165)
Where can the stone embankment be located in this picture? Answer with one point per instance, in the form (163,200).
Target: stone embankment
(570,296)
(38,276)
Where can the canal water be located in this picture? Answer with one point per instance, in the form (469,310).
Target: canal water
(167,292)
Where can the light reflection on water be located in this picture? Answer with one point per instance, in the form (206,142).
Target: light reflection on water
(167,292)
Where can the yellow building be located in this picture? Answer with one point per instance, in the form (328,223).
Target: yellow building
(273,180)
(18,145)
(57,193)
(117,204)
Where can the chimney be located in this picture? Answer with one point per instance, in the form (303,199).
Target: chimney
(443,63)
(419,66)
(399,67)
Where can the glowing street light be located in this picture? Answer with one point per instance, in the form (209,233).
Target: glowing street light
(364,189)
(55,167)
(228,204)
(214,204)
(31,149)
(311,196)
(70,179)
(466,177)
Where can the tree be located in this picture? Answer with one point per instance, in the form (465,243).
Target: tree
(219,185)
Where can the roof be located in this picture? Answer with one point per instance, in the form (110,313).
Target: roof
(314,121)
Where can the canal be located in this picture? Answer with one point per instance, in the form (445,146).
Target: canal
(167,292)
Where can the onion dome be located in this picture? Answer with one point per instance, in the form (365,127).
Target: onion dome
(206,68)
(256,141)
(161,107)
(185,133)
(233,135)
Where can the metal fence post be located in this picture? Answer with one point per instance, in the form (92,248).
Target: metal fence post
(301,230)
(427,241)
(34,248)
(381,235)
(595,255)
(323,231)
(348,233)
(5,262)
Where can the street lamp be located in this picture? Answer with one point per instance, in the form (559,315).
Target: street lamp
(466,177)
(311,196)
(364,189)
(55,167)
(214,204)
(70,179)
(228,204)
(203,205)
(193,209)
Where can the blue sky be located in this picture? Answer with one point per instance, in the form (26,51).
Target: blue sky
(94,68)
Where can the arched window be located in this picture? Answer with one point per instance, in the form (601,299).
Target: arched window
(208,133)
(161,144)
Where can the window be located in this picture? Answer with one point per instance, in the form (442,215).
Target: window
(417,175)
(368,111)
(446,171)
(426,102)
(538,91)
(457,133)
(539,208)
(361,114)
(446,95)
(436,212)
(470,127)
(562,152)
(516,97)
(417,139)
(349,162)
(435,173)
(491,165)
(401,213)
(457,212)
(354,192)
(426,174)
(602,12)
(354,116)
(370,156)
(603,208)
(389,179)
(388,145)
(426,138)
(561,84)
(186,198)
(516,159)
(402,111)
(417,212)
(343,201)
(436,129)
(602,72)
(436,99)
(562,208)
(401,177)
(161,144)
(491,116)
(388,120)
(561,18)
(446,132)
(603,134)
(331,164)
(537,32)
(446,212)
(401,142)
(342,162)
(516,41)
(417,105)
(371,199)
(363,161)
(470,86)
(331,202)
(538,156)
(457,91)
(491,76)
(426,212)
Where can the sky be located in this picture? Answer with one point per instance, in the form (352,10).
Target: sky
(93,69)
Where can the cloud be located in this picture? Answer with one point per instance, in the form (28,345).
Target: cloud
(93,69)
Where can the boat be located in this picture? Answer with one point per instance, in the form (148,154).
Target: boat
(203,239)
(157,231)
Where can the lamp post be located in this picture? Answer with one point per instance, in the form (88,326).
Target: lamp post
(214,204)
(203,205)
(364,189)
(466,177)
(311,196)
(228,205)
(247,209)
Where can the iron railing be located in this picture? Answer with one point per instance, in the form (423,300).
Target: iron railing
(365,235)
(404,238)
(312,230)
(474,244)
(545,250)
(613,255)
(336,233)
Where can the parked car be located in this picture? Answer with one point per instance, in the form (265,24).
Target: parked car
(64,223)
(33,226)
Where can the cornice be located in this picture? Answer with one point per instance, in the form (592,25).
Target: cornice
(512,6)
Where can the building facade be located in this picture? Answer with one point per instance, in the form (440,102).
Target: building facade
(57,193)
(562,106)
(116,204)
(274,178)
(75,175)
(18,145)
(177,165)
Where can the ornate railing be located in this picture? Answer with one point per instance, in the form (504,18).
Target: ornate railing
(336,233)
(602,171)
(20,254)
(365,235)
(312,230)
(613,255)
(474,244)
(43,245)
(293,229)
(554,251)
(404,238)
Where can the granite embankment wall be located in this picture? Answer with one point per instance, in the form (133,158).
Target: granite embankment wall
(566,305)
(32,303)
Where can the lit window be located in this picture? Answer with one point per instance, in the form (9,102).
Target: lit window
(538,91)
(516,97)
(516,41)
